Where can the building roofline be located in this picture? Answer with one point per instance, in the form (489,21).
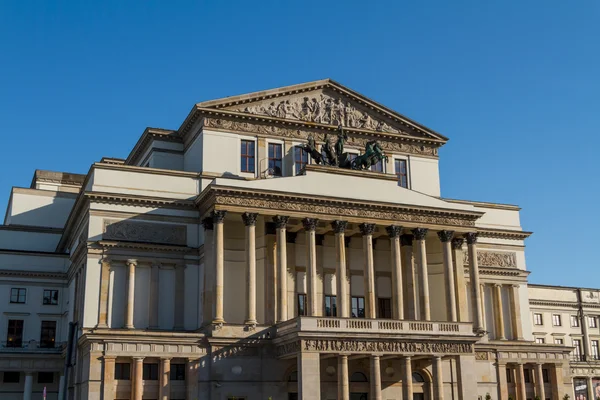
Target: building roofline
(539,285)
(146,138)
(484,204)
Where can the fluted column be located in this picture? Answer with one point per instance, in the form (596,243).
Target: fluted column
(394,232)
(474,277)
(138,378)
(153,297)
(104,289)
(438,379)
(460,283)
(28,385)
(108,381)
(343,384)
(369,269)
(420,234)
(250,222)
(310,225)
(164,386)
(410,293)
(445,238)
(539,381)
(515,308)
(407,389)
(281,226)
(520,378)
(218,218)
(339,228)
(130,294)
(207,295)
(375,378)
(499,312)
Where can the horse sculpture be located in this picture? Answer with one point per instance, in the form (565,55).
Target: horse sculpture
(372,155)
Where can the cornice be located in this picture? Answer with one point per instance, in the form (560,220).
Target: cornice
(502,271)
(27,228)
(32,274)
(550,303)
(105,245)
(33,253)
(140,201)
(484,204)
(350,172)
(150,134)
(503,234)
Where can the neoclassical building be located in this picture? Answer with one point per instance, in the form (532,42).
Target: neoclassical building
(286,244)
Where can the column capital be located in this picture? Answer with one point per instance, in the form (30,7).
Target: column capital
(366,229)
(280,221)
(218,216)
(472,237)
(436,356)
(163,359)
(339,226)
(132,261)
(109,358)
(138,359)
(457,243)
(497,285)
(445,236)
(310,224)
(420,233)
(105,260)
(249,218)
(406,239)
(207,223)
(394,231)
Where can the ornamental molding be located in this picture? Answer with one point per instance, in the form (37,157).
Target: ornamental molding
(358,139)
(32,274)
(550,303)
(145,232)
(493,259)
(268,203)
(482,355)
(374,346)
(140,201)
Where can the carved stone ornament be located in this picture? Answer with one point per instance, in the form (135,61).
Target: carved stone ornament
(445,236)
(374,346)
(471,237)
(145,232)
(207,223)
(482,356)
(310,224)
(339,226)
(354,140)
(393,231)
(420,233)
(366,229)
(218,216)
(406,239)
(457,243)
(249,218)
(223,352)
(280,221)
(494,259)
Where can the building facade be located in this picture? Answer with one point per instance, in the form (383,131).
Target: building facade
(291,243)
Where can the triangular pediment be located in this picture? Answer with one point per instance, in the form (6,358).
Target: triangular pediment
(324,102)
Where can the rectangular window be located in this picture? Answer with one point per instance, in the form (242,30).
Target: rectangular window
(178,372)
(378,166)
(592,322)
(508,375)
(556,320)
(48,335)
(401,172)
(545,376)
(385,308)
(150,372)
(247,156)
(14,338)
(330,306)
(302,311)
(358,307)
(559,341)
(18,295)
(300,159)
(527,375)
(594,349)
(574,321)
(50,297)
(123,371)
(537,319)
(45,377)
(540,340)
(577,349)
(11,377)
(275,157)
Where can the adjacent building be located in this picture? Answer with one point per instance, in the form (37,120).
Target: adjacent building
(290,243)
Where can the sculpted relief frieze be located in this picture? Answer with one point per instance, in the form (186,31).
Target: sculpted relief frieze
(494,259)
(146,232)
(374,346)
(354,140)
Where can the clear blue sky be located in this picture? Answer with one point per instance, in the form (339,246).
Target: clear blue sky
(515,86)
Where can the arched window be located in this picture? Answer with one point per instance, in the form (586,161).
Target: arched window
(358,377)
(293,377)
(417,377)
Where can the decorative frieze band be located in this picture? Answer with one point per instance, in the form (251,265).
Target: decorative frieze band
(494,259)
(145,232)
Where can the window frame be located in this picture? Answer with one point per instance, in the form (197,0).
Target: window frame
(299,161)
(51,296)
(594,349)
(120,371)
(51,343)
(304,307)
(174,373)
(559,341)
(274,159)
(15,343)
(540,340)
(577,350)
(592,321)
(247,156)
(381,312)
(556,320)
(352,308)
(380,162)
(406,175)
(150,371)
(18,295)
(574,321)
(535,319)
(332,305)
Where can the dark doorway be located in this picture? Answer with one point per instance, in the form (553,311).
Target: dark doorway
(292,396)
(359,396)
(418,396)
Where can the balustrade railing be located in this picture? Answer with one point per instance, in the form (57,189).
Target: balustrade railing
(30,347)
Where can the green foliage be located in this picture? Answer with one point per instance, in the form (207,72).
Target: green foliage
(566,397)
(536,397)
(488,396)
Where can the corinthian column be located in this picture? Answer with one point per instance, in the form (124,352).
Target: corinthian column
(369,269)
(281,225)
(218,217)
(250,222)
(420,234)
(410,293)
(310,225)
(474,276)
(130,294)
(397,295)
(460,283)
(445,238)
(339,228)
